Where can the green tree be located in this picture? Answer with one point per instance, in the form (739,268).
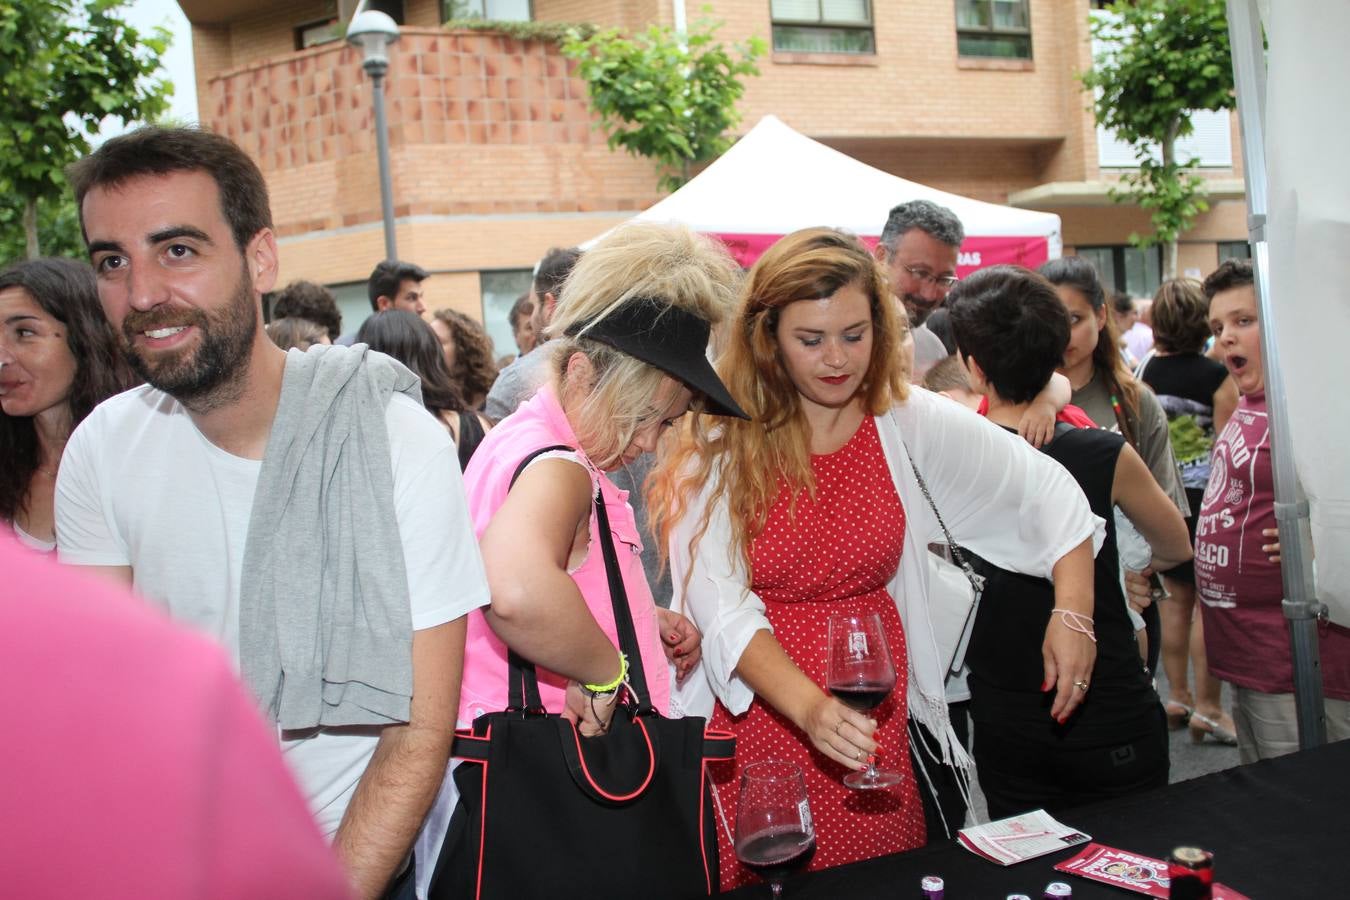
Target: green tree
(65,67)
(58,227)
(668,97)
(1164,59)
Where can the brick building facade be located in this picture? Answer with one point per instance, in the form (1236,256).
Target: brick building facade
(495,159)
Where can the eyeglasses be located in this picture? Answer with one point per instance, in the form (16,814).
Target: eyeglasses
(945,282)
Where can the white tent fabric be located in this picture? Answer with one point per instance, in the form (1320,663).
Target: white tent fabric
(775,180)
(1309,235)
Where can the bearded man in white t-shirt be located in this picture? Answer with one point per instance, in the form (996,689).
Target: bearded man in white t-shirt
(159,490)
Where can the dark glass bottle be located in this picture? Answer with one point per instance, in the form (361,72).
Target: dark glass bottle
(1190,873)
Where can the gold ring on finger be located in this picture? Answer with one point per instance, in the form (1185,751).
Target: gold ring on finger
(1081,685)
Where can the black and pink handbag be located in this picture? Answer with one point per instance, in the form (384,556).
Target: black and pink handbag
(546,812)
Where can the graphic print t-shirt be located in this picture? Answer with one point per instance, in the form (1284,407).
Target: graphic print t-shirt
(1246,636)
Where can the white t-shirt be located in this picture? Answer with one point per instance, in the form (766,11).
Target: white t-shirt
(140,486)
(31,542)
(928,352)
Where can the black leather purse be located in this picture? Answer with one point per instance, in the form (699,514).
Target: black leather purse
(546,812)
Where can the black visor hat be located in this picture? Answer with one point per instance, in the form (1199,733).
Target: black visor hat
(672,339)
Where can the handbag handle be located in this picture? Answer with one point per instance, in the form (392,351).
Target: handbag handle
(523,681)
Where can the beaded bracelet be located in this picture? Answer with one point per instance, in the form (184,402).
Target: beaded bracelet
(613,685)
(1074,622)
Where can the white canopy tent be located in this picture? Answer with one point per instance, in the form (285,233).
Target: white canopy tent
(775,180)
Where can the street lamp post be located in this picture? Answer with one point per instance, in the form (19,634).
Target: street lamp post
(373,31)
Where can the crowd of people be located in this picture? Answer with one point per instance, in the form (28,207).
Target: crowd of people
(366,526)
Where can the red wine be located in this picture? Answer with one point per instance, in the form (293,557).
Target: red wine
(777,854)
(862,696)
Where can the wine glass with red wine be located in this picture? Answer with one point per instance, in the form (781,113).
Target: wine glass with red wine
(861,675)
(774,834)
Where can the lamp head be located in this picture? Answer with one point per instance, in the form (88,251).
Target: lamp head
(372,31)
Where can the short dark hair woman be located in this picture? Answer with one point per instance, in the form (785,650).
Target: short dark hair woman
(1011,331)
(58,360)
(409,339)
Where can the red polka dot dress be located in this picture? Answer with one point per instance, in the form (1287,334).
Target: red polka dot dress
(832,556)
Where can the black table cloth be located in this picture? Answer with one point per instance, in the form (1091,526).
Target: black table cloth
(1278,829)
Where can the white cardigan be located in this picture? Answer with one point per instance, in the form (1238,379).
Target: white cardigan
(1011,504)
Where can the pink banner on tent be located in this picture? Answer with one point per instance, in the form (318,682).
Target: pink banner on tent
(976,252)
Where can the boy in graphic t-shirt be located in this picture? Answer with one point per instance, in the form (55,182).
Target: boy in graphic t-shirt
(1237,563)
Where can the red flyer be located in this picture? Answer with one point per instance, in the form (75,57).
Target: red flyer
(1141,874)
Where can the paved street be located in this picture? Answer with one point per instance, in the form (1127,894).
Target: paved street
(1190,760)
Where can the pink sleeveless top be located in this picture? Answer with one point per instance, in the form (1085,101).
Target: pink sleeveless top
(539,423)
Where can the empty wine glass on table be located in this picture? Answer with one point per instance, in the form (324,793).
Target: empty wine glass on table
(861,675)
(774,834)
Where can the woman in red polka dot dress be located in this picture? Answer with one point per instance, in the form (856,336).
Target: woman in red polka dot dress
(811,510)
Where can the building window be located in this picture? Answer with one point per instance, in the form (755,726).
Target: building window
(500,290)
(492,10)
(1133,270)
(312,34)
(993,28)
(1234,250)
(822,26)
(353,301)
(391,8)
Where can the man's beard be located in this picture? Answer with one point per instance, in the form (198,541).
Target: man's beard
(918,309)
(211,375)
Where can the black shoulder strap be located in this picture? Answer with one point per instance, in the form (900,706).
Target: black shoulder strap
(524,683)
(623,616)
(532,457)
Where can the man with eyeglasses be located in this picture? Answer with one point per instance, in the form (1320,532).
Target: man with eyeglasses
(919,246)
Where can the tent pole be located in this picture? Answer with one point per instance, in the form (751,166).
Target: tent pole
(1301,607)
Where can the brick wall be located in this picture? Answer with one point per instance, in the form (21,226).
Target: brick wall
(308,120)
(1225,221)
(630,15)
(271,33)
(984,171)
(1075,159)
(493,155)
(210,55)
